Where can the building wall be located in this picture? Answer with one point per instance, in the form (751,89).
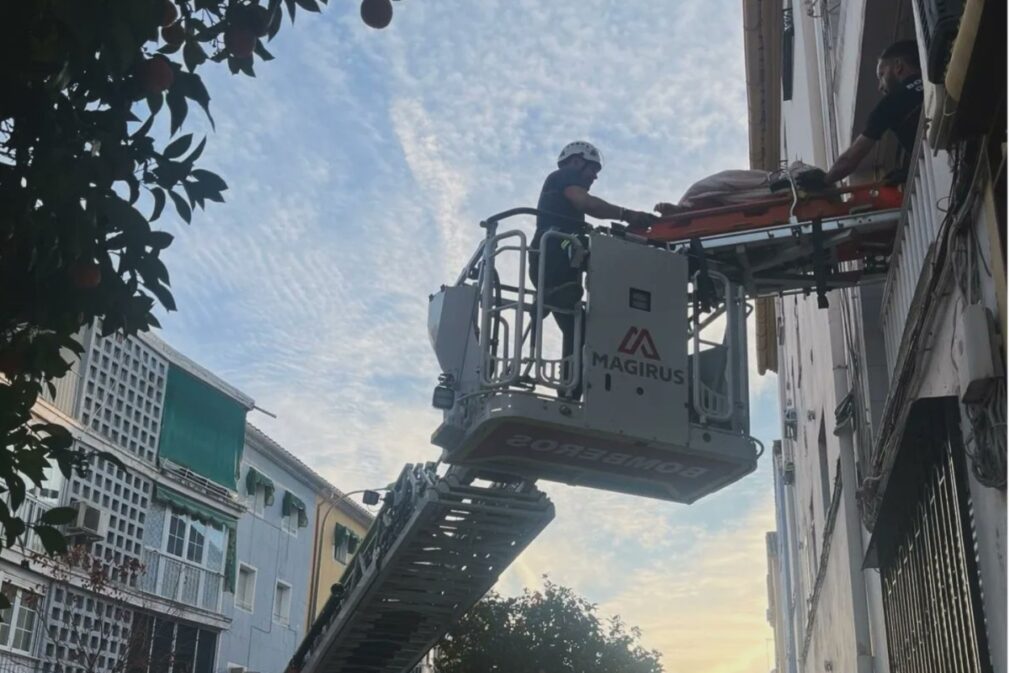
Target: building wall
(112,401)
(256,640)
(330,569)
(824,355)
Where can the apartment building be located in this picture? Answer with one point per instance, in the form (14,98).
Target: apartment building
(278,539)
(205,540)
(340,527)
(891,474)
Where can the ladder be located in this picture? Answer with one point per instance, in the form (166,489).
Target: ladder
(437,546)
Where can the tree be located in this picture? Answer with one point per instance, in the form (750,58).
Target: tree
(83,174)
(548,631)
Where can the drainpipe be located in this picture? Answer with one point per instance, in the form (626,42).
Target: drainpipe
(849,507)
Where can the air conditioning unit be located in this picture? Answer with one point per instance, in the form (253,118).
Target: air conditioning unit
(90,521)
(789,473)
(940,19)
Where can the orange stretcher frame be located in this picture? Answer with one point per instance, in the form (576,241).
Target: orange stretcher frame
(706,222)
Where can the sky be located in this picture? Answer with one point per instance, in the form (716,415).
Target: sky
(360,163)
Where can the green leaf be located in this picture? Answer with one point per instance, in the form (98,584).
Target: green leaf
(163,294)
(178,146)
(154,103)
(177,107)
(159,240)
(170,48)
(112,458)
(195,154)
(144,128)
(52,539)
(159,202)
(262,52)
(193,88)
(209,180)
(309,5)
(13,530)
(193,55)
(181,206)
(152,270)
(245,65)
(291,9)
(58,516)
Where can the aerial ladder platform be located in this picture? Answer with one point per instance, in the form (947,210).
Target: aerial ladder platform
(653,400)
(437,546)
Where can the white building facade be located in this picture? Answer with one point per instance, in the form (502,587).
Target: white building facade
(890,477)
(172,521)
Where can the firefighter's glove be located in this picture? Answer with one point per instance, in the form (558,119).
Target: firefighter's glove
(636,219)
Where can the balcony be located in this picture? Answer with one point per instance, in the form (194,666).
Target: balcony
(926,192)
(181,581)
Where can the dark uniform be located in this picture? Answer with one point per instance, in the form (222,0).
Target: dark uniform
(562,283)
(898,112)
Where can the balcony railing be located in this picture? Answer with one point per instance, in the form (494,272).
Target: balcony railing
(926,192)
(181,581)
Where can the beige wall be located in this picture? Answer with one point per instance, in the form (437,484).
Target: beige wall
(325,568)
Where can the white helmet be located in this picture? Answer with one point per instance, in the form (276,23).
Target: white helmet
(583,149)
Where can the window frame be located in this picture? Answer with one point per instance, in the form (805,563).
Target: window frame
(187,522)
(341,552)
(13,624)
(289,523)
(252,598)
(259,501)
(284,620)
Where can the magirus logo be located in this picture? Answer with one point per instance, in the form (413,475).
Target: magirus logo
(638,340)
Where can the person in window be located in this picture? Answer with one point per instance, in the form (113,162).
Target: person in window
(900,80)
(564,202)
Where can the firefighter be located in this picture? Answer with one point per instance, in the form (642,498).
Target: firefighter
(564,202)
(900,80)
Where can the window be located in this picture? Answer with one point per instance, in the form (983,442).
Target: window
(259,499)
(289,523)
(259,490)
(245,587)
(195,541)
(345,543)
(161,643)
(18,628)
(340,549)
(176,535)
(194,551)
(282,602)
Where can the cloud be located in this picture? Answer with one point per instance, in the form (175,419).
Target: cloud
(360,163)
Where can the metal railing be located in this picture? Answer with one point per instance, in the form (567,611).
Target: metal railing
(512,342)
(181,581)
(923,211)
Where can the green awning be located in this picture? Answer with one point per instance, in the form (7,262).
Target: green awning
(253,479)
(201,428)
(341,534)
(201,512)
(291,503)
